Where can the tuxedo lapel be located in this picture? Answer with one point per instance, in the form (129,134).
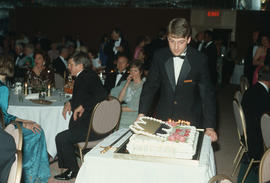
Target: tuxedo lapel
(170,71)
(184,71)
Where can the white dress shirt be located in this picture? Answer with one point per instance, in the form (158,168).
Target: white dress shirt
(119,76)
(117,44)
(63,60)
(177,62)
(264,85)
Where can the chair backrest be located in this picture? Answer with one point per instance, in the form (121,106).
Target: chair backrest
(240,121)
(220,178)
(105,116)
(265,127)
(244,84)
(238,96)
(15,173)
(16,133)
(264,175)
(58,81)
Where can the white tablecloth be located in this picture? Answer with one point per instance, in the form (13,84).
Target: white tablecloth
(109,167)
(48,116)
(238,71)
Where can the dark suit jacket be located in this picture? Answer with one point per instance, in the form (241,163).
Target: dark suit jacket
(111,79)
(249,68)
(59,67)
(7,154)
(255,102)
(192,99)
(211,52)
(88,91)
(108,49)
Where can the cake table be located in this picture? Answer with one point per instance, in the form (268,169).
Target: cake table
(114,168)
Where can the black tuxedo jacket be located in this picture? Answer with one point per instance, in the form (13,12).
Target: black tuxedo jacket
(59,67)
(88,91)
(108,49)
(255,102)
(191,99)
(111,79)
(211,52)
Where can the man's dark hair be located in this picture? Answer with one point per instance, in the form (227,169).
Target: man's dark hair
(122,55)
(81,58)
(117,31)
(264,74)
(179,27)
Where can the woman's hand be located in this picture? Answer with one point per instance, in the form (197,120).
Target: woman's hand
(129,78)
(31,125)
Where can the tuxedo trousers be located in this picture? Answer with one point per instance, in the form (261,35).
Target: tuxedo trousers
(65,146)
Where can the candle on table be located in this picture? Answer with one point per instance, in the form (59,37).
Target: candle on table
(49,90)
(25,88)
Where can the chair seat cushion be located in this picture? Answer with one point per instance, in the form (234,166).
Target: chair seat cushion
(90,144)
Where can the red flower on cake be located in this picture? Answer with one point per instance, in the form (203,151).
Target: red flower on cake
(178,130)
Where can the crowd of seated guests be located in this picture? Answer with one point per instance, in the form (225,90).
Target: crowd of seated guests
(124,69)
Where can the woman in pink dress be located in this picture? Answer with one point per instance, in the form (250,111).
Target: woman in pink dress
(259,57)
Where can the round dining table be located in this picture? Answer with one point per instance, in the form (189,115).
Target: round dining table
(47,114)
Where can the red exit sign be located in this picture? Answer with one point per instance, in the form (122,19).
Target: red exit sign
(213,13)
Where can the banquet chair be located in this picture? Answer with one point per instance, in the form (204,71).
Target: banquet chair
(244,84)
(264,175)
(242,134)
(16,168)
(220,178)
(240,124)
(238,97)
(105,119)
(16,133)
(265,127)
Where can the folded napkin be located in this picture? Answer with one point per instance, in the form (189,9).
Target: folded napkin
(32,96)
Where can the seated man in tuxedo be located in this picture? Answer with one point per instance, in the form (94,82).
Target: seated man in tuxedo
(19,72)
(115,78)
(7,154)
(87,92)
(60,64)
(181,74)
(255,102)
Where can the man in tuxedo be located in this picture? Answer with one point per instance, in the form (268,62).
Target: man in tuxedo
(211,51)
(116,45)
(60,64)
(115,78)
(7,151)
(255,102)
(87,92)
(249,68)
(19,72)
(181,74)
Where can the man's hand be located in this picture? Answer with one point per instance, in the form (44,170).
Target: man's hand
(140,115)
(67,108)
(78,112)
(211,133)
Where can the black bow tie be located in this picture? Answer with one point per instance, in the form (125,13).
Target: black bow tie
(181,56)
(120,73)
